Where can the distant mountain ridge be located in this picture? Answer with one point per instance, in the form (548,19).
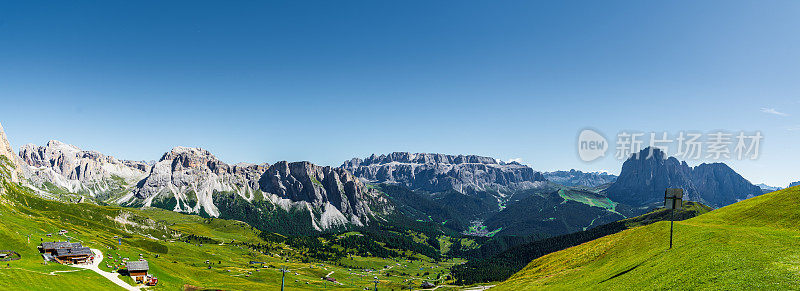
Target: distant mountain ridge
(469,193)
(192,180)
(768,188)
(78,171)
(439,172)
(495,197)
(578,178)
(642,181)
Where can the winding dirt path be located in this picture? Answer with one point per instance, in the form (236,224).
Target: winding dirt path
(113,277)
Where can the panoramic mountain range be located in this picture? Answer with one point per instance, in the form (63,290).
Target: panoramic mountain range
(497,198)
(192,180)
(65,168)
(466,174)
(466,193)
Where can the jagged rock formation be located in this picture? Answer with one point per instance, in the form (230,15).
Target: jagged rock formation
(794,184)
(193,180)
(439,172)
(191,176)
(720,185)
(340,197)
(643,180)
(13,171)
(73,170)
(578,178)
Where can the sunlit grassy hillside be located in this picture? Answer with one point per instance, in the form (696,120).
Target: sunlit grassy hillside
(183,250)
(753,244)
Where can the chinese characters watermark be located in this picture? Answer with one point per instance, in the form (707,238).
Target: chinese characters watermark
(687,145)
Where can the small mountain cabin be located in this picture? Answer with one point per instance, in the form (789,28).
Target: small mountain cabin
(73,255)
(138,270)
(51,247)
(65,252)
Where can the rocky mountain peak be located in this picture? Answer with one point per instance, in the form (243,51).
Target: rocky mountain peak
(57,144)
(14,171)
(188,154)
(643,179)
(76,170)
(341,197)
(182,158)
(192,176)
(193,180)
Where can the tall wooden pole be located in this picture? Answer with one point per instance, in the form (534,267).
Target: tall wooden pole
(283,278)
(671,222)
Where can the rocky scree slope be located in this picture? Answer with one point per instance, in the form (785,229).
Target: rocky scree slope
(190,176)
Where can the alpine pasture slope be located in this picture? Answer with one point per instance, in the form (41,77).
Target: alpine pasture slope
(184,251)
(752,244)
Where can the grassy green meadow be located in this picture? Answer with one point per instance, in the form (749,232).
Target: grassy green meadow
(178,247)
(753,244)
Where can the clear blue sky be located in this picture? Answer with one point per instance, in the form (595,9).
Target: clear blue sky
(326,81)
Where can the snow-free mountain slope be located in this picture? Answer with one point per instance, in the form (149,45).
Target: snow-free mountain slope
(642,181)
(64,167)
(749,245)
(191,176)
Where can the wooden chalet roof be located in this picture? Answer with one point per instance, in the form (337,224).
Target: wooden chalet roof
(137,266)
(73,252)
(60,245)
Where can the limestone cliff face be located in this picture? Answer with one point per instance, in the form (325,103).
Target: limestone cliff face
(340,198)
(78,171)
(10,161)
(439,172)
(192,176)
(192,180)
